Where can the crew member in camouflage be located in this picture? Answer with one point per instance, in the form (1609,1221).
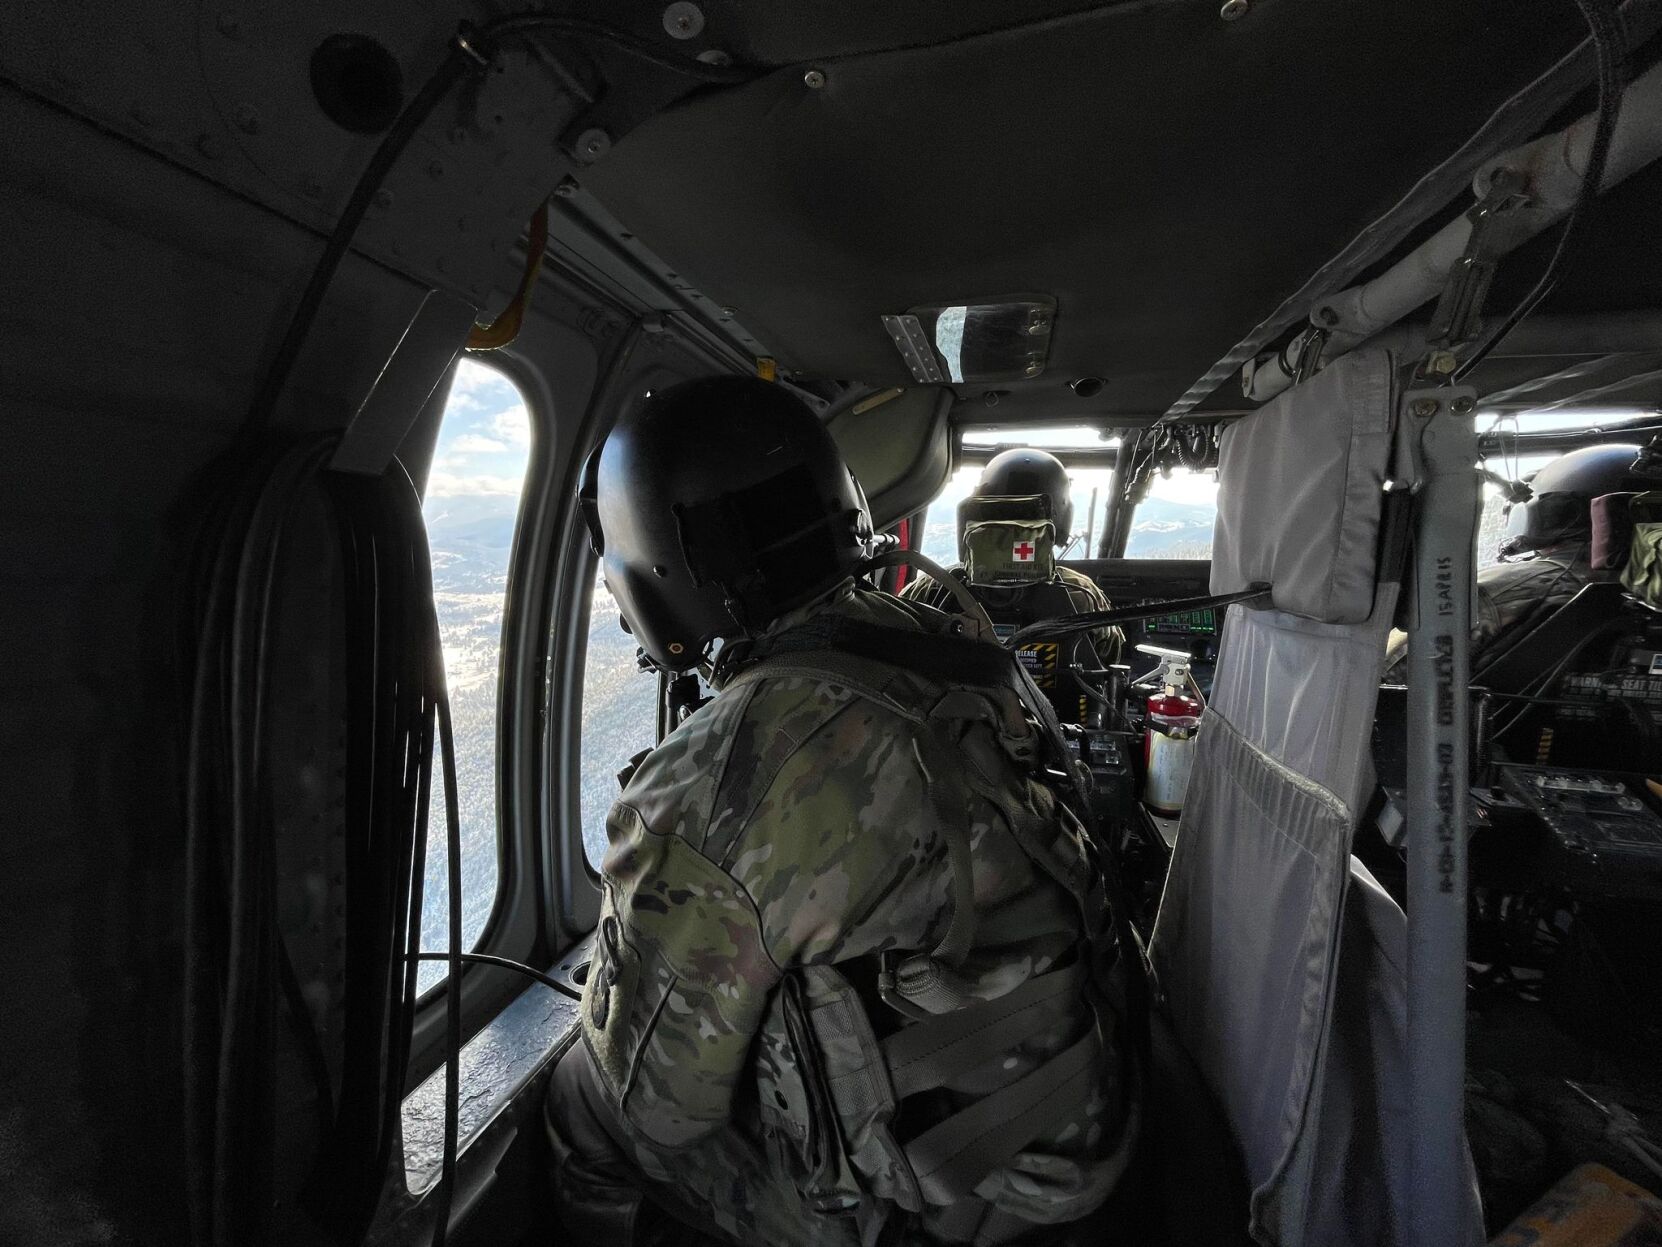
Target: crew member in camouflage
(1083,592)
(1547,556)
(1026,472)
(786,875)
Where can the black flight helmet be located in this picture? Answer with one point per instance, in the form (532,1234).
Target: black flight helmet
(716,506)
(1025,473)
(1558,510)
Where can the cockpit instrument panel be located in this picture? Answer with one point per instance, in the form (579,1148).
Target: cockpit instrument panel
(1201,623)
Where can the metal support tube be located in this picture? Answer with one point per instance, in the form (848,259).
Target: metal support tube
(1439,661)
(1577,371)
(1553,165)
(1637,381)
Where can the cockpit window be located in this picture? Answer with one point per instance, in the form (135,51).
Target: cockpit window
(1174,521)
(471,507)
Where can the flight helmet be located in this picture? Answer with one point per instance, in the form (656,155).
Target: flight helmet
(1557,510)
(1025,473)
(716,506)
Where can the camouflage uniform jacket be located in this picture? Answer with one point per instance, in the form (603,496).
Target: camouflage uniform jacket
(1084,592)
(1509,596)
(762,861)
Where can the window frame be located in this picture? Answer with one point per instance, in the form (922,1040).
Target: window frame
(505,860)
(646,681)
(570,884)
(555,368)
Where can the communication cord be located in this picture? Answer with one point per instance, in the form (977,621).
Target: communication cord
(1610,46)
(238,968)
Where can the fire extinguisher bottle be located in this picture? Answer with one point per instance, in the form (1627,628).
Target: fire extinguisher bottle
(1170,729)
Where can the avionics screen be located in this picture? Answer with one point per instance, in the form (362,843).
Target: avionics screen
(1184,623)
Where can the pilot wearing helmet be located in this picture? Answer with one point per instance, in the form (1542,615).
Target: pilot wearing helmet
(815,1015)
(1020,513)
(1547,552)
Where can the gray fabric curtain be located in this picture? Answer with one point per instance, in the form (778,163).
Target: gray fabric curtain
(1281,961)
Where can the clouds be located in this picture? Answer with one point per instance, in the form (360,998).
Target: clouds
(443,483)
(476,444)
(512,425)
(485,439)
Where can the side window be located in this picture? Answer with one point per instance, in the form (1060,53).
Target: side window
(471,507)
(620,716)
(1174,521)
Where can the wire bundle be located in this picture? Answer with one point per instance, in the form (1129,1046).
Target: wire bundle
(237,964)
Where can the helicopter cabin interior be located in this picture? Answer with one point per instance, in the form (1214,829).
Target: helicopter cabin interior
(314,701)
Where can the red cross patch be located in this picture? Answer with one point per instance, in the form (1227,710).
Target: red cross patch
(1022,552)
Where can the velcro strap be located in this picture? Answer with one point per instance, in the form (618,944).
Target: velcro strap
(951,1158)
(927,1054)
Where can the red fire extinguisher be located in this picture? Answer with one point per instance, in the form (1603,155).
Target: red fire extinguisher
(1170,729)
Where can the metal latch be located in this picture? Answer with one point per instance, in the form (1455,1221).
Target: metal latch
(1460,309)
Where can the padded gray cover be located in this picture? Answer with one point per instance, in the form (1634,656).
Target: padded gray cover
(1299,492)
(1282,963)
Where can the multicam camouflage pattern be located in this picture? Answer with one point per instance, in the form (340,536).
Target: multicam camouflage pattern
(1509,595)
(1084,592)
(760,861)
(1642,574)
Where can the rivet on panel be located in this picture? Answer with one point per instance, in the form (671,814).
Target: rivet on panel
(1234,10)
(814,79)
(593,144)
(683,20)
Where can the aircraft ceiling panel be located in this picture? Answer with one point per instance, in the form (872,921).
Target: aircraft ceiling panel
(1168,176)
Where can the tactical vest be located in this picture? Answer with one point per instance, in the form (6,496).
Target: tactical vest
(841,1084)
(1049,663)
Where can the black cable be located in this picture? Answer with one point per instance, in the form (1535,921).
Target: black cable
(444,1196)
(1610,47)
(493,33)
(507,963)
(456,64)
(1090,621)
(471,51)
(238,970)
(235,962)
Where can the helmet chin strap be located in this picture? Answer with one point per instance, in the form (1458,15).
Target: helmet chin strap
(967,601)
